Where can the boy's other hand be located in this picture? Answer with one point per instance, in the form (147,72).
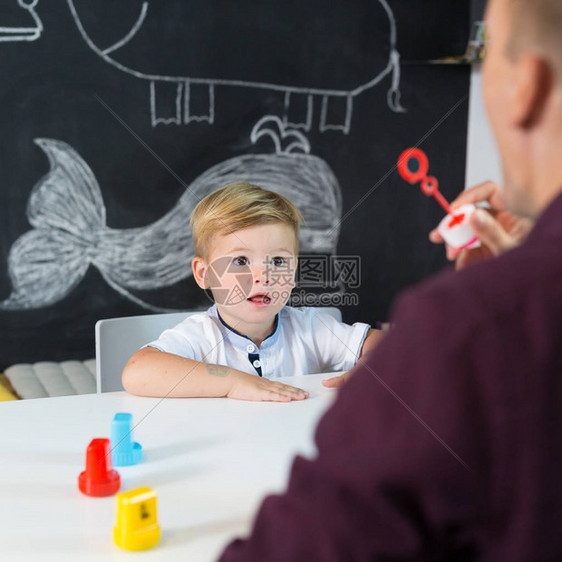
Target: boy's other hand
(497,229)
(337,382)
(252,387)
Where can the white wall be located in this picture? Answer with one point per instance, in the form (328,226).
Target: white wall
(482,161)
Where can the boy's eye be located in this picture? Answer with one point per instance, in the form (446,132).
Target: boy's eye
(278,261)
(240,260)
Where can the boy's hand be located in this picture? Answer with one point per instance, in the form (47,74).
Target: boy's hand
(252,387)
(337,382)
(497,229)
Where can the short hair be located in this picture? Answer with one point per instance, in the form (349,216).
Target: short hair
(537,24)
(237,206)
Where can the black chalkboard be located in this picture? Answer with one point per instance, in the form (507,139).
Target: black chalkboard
(478,8)
(117,114)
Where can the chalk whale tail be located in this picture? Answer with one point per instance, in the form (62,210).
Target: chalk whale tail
(69,234)
(67,213)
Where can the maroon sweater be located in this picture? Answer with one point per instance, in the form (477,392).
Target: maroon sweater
(447,444)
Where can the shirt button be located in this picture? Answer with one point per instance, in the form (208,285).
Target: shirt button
(250,348)
(257,363)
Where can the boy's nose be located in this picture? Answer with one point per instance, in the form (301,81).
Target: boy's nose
(261,275)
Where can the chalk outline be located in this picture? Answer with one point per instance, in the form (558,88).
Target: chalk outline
(258,132)
(188,118)
(131,33)
(393,66)
(89,234)
(310,109)
(165,120)
(28,33)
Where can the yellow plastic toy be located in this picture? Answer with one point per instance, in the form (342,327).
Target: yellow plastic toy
(5,394)
(137,522)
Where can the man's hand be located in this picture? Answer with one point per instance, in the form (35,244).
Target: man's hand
(371,341)
(496,228)
(337,382)
(252,387)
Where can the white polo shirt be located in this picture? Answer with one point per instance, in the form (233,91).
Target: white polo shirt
(304,341)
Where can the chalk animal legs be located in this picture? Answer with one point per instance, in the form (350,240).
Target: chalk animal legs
(336,113)
(173,102)
(199,102)
(298,111)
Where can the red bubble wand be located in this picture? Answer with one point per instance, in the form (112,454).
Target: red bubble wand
(413,166)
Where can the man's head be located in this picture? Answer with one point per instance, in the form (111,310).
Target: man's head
(523,93)
(536,26)
(237,206)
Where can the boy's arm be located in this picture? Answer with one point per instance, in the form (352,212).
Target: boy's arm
(370,342)
(151,372)
(372,339)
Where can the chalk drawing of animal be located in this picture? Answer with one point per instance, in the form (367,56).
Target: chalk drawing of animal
(272,35)
(69,231)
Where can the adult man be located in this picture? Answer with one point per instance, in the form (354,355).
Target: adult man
(447,443)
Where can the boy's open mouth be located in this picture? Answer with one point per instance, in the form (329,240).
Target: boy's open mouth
(260,299)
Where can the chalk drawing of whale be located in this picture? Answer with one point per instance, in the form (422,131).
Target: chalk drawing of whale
(271,35)
(69,231)
(23,32)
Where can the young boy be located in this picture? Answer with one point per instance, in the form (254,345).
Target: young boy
(246,246)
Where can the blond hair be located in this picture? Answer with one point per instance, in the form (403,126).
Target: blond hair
(537,25)
(237,206)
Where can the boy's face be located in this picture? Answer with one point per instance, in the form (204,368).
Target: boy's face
(251,273)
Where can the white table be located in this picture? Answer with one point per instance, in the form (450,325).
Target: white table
(210,461)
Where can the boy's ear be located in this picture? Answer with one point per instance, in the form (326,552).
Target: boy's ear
(199,267)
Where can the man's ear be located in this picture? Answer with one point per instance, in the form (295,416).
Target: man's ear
(199,267)
(534,81)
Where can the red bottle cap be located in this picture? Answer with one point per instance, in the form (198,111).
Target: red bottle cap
(99,478)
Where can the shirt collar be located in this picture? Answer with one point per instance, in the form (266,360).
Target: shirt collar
(238,338)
